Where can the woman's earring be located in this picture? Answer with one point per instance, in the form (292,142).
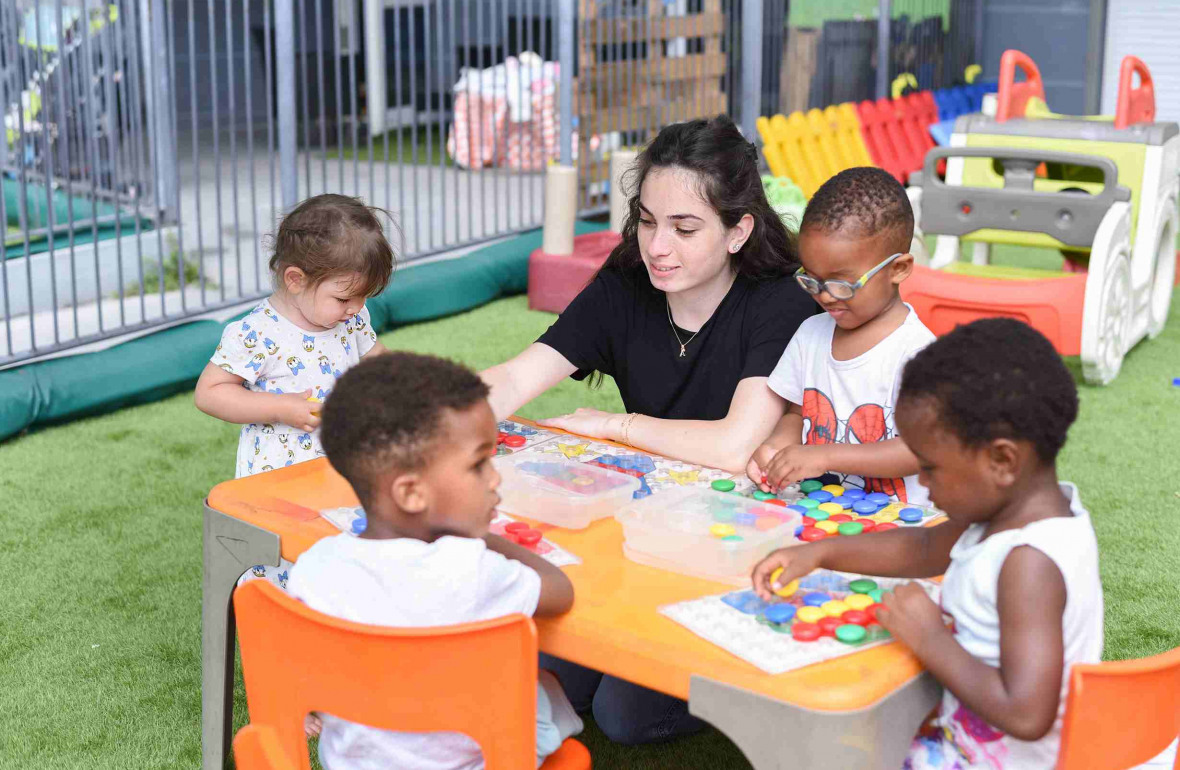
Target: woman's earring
(733,248)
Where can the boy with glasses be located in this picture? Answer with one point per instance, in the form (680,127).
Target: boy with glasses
(841,371)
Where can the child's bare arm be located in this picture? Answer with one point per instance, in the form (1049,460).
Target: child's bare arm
(906,552)
(1021,696)
(376,350)
(880,459)
(221,395)
(557,592)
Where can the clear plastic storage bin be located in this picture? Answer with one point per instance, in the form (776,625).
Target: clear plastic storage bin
(704,533)
(559,491)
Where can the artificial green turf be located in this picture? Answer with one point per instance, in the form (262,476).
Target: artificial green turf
(100,554)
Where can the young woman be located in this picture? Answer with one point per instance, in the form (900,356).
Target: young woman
(689,315)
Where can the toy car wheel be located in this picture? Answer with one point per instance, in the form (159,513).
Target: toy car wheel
(1160,296)
(1113,324)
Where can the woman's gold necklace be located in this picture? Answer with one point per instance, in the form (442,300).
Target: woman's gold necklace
(668,306)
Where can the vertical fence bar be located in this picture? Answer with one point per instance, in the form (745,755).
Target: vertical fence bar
(192,85)
(370,102)
(214,96)
(269,76)
(483,188)
(6,98)
(320,100)
(48,158)
(174,149)
(230,77)
(285,64)
(751,65)
(166,177)
(353,98)
(401,157)
(88,96)
(131,90)
(465,64)
(884,10)
(302,38)
(426,88)
(565,42)
(63,132)
(246,17)
(442,53)
(413,75)
(159,89)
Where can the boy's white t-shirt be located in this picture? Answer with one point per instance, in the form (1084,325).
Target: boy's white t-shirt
(405,582)
(273,355)
(969,595)
(851,402)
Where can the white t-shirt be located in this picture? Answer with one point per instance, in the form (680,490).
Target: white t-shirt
(969,594)
(273,355)
(850,402)
(405,582)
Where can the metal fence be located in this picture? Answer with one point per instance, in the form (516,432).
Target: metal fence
(152,144)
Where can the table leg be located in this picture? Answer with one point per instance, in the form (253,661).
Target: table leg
(775,735)
(230,548)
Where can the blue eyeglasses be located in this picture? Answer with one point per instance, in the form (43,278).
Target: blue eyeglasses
(838,289)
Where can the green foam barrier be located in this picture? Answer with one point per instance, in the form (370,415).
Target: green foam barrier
(62,389)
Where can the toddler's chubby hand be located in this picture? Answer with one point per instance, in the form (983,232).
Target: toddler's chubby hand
(587,422)
(298,411)
(756,468)
(795,463)
(910,615)
(795,562)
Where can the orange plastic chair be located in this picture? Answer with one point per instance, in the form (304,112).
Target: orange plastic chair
(475,678)
(1121,714)
(1012,98)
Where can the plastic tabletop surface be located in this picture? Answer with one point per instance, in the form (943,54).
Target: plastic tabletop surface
(614,625)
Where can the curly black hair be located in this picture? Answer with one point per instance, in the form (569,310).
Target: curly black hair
(862,202)
(996,378)
(384,413)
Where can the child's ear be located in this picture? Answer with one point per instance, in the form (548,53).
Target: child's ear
(294,279)
(1005,458)
(409,493)
(900,268)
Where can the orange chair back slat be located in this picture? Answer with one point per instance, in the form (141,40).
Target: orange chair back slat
(1012,97)
(1121,714)
(1135,105)
(476,678)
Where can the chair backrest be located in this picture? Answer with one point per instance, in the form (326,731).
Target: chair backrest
(475,678)
(1013,97)
(1135,104)
(1121,714)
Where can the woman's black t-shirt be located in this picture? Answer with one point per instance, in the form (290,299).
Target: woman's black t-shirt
(619,326)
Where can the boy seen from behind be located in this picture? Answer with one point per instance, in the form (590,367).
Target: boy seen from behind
(414,436)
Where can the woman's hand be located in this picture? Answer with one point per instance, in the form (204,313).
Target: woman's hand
(588,422)
(796,562)
(911,616)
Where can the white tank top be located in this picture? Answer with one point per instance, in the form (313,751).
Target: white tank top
(969,594)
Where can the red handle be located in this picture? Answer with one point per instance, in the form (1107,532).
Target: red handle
(1013,97)
(1135,105)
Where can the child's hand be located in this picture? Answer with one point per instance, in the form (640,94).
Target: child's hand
(796,562)
(910,615)
(759,461)
(795,463)
(295,410)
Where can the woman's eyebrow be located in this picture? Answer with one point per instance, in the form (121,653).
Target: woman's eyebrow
(677,217)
